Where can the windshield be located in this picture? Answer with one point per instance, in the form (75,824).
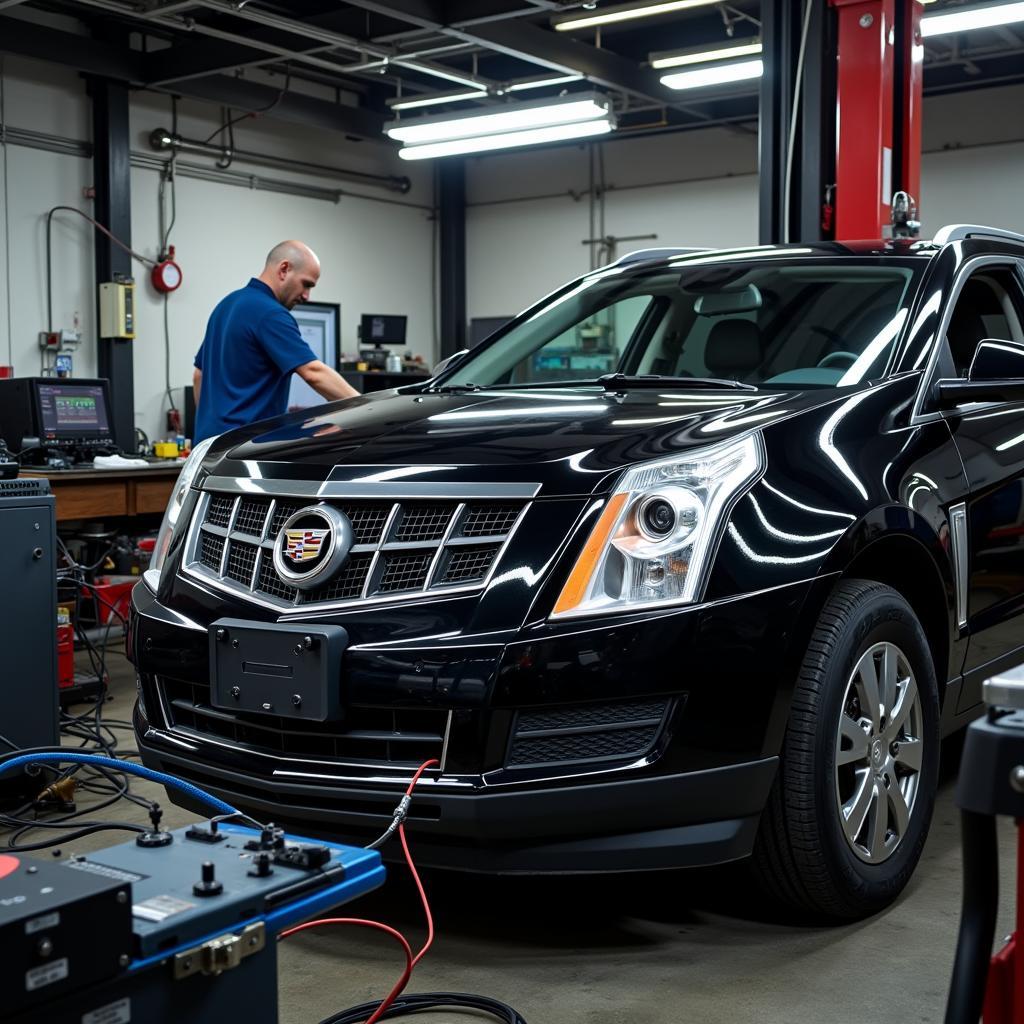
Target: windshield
(792,323)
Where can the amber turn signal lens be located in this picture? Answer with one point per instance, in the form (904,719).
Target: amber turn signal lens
(575,588)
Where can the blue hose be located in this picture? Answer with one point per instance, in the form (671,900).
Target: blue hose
(123,766)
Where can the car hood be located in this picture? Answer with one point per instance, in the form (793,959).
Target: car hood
(570,440)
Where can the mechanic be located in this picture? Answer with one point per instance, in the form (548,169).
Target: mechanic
(252,347)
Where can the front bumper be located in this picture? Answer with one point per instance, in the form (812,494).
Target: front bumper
(694,798)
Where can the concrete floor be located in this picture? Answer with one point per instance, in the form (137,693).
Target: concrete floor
(668,947)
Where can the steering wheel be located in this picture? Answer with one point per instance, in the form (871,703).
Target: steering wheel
(849,358)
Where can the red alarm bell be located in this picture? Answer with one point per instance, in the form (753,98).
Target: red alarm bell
(166,275)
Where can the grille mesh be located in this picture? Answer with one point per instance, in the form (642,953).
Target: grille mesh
(282,513)
(213,548)
(219,512)
(346,585)
(419,526)
(241,559)
(589,715)
(489,520)
(424,522)
(586,732)
(464,565)
(270,583)
(582,747)
(404,572)
(367,521)
(251,516)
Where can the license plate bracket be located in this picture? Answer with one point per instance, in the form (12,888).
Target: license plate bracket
(277,668)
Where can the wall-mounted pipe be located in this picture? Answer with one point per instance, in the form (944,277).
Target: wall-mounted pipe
(162,140)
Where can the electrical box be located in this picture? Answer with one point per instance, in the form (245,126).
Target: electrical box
(117,309)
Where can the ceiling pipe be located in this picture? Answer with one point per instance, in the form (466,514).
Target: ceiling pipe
(163,141)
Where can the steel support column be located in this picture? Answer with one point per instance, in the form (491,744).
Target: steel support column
(112,181)
(865,95)
(815,161)
(452,282)
(779,27)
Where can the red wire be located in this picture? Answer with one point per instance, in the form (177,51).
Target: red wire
(394,933)
(411,961)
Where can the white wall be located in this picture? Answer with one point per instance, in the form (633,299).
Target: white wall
(376,256)
(522,246)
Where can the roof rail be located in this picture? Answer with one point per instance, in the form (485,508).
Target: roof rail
(639,255)
(959,232)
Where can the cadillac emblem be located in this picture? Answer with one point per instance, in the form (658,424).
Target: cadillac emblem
(302,545)
(312,545)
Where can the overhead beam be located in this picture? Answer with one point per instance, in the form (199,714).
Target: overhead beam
(94,57)
(80,53)
(198,58)
(535,45)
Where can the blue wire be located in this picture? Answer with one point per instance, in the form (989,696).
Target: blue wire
(123,766)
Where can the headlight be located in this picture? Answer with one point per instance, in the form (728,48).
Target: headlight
(654,542)
(181,489)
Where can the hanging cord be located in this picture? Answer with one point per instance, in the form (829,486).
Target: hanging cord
(228,124)
(7,211)
(791,142)
(99,227)
(167,354)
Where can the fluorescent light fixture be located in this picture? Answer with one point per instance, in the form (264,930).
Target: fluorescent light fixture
(435,98)
(968,18)
(678,60)
(700,78)
(501,120)
(508,140)
(626,12)
(539,83)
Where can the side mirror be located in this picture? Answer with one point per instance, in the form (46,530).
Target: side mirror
(447,361)
(996,374)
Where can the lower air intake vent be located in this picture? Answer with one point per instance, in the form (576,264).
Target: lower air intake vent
(586,733)
(374,736)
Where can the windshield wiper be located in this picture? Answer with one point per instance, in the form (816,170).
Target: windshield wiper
(611,381)
(454,389)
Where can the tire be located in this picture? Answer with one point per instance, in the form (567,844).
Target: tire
(814,851)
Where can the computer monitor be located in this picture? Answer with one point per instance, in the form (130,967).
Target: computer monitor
(376,329)
(482,327)
(72,410)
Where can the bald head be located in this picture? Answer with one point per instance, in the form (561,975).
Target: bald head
(291,272)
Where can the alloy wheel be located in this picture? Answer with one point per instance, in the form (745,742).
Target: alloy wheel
(878,753)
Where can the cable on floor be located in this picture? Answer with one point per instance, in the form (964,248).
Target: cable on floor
(394,1003)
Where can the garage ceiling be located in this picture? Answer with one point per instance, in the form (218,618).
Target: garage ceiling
(336,65)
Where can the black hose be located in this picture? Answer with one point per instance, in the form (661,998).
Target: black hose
(977,918)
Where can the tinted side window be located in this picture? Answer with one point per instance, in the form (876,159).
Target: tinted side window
(989,306)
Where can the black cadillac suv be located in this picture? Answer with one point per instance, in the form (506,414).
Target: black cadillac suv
(695,560)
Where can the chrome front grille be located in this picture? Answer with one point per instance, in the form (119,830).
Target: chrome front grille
(401,548)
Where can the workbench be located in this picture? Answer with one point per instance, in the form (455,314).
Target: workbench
(89,493)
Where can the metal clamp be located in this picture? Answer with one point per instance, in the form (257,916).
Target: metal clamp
(221,953)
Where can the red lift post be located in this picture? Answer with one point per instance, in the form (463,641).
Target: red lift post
(878,112)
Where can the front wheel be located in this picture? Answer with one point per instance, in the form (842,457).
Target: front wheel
(849,811)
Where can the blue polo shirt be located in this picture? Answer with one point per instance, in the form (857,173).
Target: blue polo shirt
(251,348)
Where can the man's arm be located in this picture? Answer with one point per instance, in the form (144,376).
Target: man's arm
(197,380)
(325,381)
